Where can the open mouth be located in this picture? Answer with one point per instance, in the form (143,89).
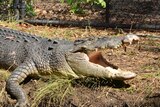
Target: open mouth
(94,64)
(97,58)
(85,60)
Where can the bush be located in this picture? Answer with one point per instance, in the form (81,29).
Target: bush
(75,4)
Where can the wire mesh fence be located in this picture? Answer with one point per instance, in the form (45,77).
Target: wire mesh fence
(4,9)
(144,13)
(118,13)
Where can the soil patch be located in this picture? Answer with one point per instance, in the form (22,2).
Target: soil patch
(143,91)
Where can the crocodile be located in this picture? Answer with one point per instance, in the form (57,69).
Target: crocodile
(27,55)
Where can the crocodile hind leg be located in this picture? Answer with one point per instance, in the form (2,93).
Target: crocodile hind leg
(13,83)
(81,65)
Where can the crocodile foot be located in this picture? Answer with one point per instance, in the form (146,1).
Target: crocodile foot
(22,104)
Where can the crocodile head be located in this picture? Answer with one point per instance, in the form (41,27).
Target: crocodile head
(94,43)
(85,60)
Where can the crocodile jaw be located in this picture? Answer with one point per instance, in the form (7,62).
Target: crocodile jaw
(83,66)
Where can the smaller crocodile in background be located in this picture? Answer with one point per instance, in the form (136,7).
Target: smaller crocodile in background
(29,55)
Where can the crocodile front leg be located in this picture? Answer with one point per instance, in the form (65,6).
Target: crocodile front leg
(81,65)
(18,75)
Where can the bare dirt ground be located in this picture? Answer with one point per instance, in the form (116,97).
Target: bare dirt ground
(143,59)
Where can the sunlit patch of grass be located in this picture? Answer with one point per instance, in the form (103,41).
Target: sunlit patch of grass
(3,74)
(155,74)
(60,32)
(130,90)
(152,66)
(155,66)
(152,42)
(148,75)
(148,67)
(2,96)
(12,25)
(52,93)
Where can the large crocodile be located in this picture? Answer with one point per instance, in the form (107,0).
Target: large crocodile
(30,55)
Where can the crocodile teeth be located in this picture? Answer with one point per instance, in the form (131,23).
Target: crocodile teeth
(121,75)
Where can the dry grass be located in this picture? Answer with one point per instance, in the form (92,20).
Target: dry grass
(4,74)
(52,93)
(68,33)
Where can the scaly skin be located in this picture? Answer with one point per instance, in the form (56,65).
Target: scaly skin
(26,55)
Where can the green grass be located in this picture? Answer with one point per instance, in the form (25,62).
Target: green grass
(151,75)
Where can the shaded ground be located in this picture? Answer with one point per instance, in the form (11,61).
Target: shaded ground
(56,10)
(144,59)
(120,12)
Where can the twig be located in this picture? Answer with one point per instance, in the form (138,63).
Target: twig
(149,36)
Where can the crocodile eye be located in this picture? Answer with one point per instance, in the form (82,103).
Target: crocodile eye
(50,48)
(79,41)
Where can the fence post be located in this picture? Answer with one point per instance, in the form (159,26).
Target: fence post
(107,12)
(22,9)
(19,8)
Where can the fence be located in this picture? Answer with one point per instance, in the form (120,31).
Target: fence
(137,14)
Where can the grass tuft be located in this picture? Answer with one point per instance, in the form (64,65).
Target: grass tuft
(4,74)
(52,93)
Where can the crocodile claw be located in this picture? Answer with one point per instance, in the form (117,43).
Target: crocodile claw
(22,104)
